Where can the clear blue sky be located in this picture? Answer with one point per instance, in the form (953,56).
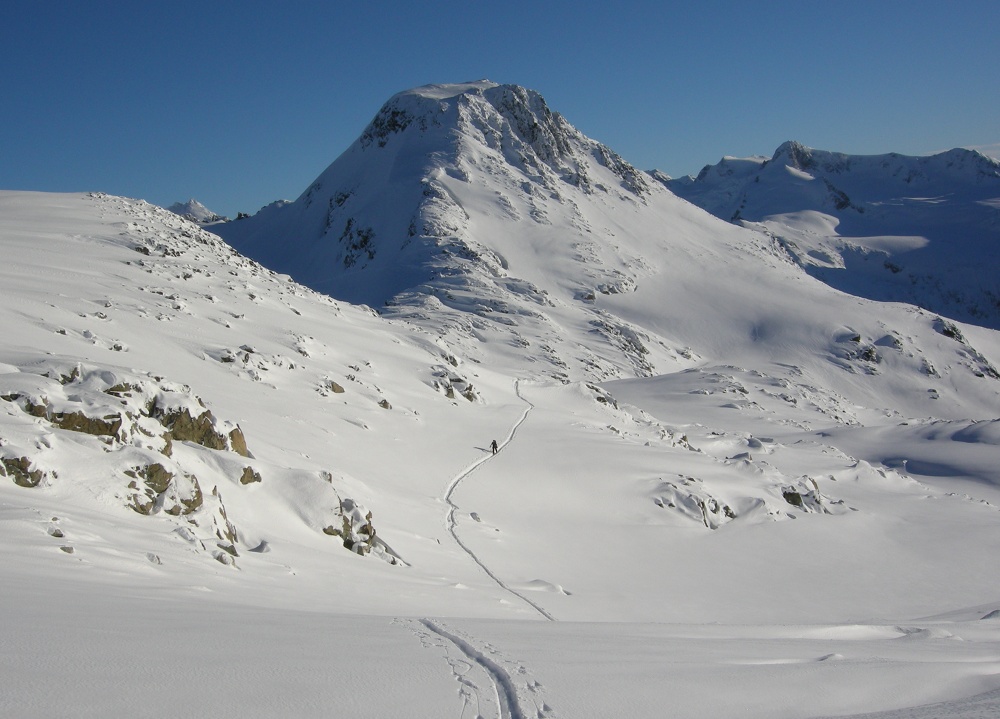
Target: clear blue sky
(240,103)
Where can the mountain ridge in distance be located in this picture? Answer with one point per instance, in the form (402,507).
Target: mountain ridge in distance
(923,230)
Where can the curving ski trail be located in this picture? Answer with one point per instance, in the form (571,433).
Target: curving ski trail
(492,685)
(504,694)
(452,507)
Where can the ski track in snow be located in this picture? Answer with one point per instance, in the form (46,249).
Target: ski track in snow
(486,684)
(452,507)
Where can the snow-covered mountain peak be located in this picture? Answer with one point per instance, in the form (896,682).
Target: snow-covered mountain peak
(795,154)
(449,90)
(421,209)
(961,160)
(509,119)
(195,212)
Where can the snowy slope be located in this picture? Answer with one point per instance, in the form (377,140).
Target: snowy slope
(924,230)
(723,488)
(155,317)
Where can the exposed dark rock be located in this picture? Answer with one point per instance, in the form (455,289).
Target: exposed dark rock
(250,475)
(123,389)
(181,426)
(109,425)
(20,471)
(238,442)
(189,503)
(156,477)
(949,329)
(792,497)
(160,485)
(225,530)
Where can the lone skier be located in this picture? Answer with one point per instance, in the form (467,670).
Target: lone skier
(494,447)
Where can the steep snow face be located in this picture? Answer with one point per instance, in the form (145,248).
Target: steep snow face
(924,230)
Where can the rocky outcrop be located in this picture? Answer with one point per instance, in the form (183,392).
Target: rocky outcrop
(358,534)
(201,430)
(138,417)
(162,490)
(249,476)
(141,440)
(20,471)
(73,403)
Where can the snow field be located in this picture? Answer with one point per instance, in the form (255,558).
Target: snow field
(723,488)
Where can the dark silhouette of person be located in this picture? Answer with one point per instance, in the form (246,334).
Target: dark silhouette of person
(494,447)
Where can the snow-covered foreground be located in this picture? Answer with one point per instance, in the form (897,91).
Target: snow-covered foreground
(76,647)
(223,493)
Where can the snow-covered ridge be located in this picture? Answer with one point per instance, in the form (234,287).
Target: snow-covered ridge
(729,189)
(449,90)
(944,172)
(890,227)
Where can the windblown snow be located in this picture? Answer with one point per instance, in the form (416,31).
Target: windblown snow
(722,486)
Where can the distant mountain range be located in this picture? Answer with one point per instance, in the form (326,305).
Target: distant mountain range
(923,230)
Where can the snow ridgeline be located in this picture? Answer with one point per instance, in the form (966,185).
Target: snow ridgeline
(149,445)
(888,227)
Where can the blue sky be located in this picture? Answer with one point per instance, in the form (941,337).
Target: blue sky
(240,103)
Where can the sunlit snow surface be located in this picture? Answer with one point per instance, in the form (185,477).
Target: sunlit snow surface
(789,536)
